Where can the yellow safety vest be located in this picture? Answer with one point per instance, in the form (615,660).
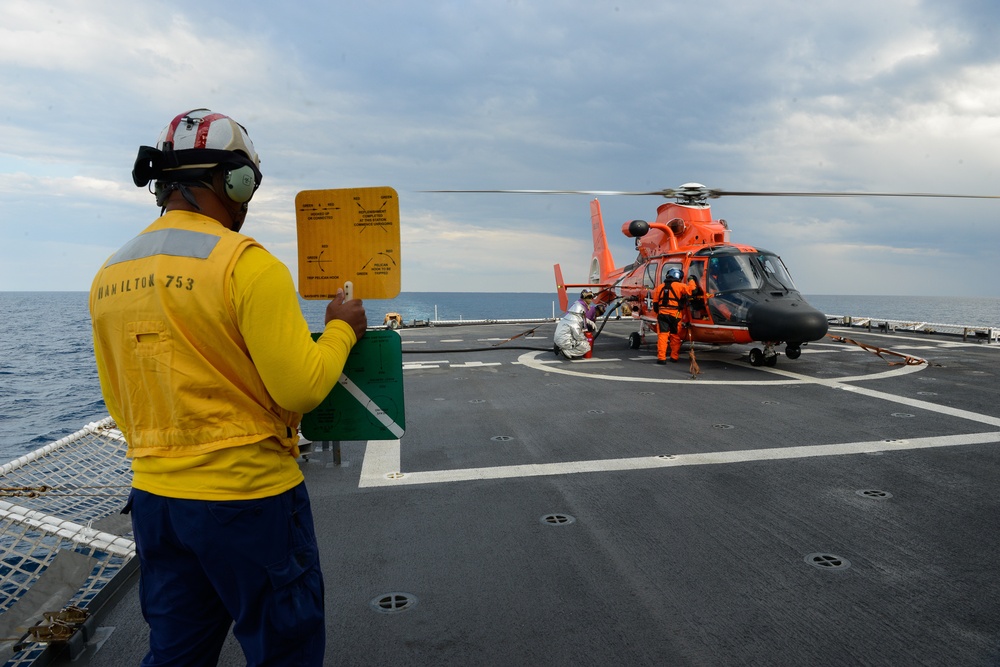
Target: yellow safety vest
(170,353)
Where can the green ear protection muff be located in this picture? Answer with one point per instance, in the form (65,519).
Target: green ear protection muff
(240,183)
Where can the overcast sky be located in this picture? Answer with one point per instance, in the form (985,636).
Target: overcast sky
(887,96)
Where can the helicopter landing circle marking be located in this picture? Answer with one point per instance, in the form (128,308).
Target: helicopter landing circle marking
(529,360)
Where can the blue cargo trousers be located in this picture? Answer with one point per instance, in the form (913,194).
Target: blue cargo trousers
(252,564)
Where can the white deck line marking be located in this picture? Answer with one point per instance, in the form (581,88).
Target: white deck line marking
(903,400)
(380,477)
(381,459)
(538,362)
(370,405)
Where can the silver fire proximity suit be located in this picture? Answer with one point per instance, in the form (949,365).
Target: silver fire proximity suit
(569,336)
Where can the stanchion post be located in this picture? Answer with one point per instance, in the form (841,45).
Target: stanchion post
(331,452)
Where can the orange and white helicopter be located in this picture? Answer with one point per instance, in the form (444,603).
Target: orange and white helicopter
(747,293)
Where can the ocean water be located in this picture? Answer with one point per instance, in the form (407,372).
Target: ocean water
(48,380)
(49,386)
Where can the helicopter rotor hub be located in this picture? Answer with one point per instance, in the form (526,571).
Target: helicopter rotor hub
(692,194)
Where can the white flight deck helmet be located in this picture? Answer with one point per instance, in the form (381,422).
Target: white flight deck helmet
(193,143)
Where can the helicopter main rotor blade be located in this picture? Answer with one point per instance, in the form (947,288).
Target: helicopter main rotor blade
(715,194)
(702,192)
(661,193)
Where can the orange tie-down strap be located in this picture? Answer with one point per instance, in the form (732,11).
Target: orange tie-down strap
(693,368)
(907,359)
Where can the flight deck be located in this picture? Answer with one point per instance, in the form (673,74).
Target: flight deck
(839,508)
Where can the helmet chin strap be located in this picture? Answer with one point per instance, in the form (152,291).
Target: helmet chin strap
(183,188)
(236,211)
(238,222)
(186,193)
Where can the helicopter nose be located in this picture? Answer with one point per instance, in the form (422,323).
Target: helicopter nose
(784,319)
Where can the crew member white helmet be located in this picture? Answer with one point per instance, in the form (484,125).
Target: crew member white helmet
(193,143)
(201,129)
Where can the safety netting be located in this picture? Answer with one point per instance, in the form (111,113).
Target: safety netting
(62,538)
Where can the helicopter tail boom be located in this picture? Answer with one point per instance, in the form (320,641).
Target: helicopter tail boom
(601,262)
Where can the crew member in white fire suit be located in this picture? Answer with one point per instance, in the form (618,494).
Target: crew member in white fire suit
(570,339)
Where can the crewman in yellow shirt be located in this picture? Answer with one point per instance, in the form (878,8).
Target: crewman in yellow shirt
(207,364)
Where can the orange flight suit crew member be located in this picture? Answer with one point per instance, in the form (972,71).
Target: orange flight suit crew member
(669,299)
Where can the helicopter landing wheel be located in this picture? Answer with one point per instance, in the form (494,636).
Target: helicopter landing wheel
(634,340)
(793,351)
(759,357)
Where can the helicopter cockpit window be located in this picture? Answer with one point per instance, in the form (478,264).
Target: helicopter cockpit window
(775,270)
(732,272)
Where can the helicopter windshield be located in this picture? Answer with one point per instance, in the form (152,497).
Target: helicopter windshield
(732,272)
(775,270)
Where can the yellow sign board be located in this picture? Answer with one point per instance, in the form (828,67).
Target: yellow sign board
(348,235)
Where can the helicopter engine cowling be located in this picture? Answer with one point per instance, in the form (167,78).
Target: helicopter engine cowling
(789,319)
